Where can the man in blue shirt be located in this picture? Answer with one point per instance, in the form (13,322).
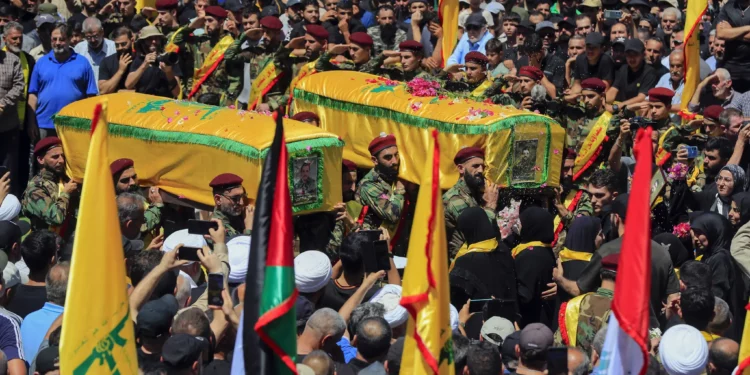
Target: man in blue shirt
(36,324)
(95,48)
(474,39)
(59,78)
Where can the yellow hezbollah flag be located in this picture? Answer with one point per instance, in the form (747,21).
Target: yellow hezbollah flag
(744,367)
(449,16)
(428,348)
(691,49)
(97,340)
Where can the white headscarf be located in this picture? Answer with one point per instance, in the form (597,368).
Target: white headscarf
(10,207)
(454,317)
(683,351)
(239,251)
(312,270)
(390,296)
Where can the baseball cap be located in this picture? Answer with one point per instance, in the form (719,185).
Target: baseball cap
(48,360)
(292,3)
(595,39)
(619,40)
(634,45)
(11,276)
(269,10)
(508,351)
(567,21)
(673,3)
(181,350)
(536,336)
(48,8)
(44,18)
(476,19)
(642,3)
(10,233)
(156,316)
(592,3)
(495,7)
(237,5)
(499,326)
(545,25)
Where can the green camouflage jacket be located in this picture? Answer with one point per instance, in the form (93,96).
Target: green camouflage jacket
(334,243)
(595,309)
(455,200)
(153,217)
(373,66)
(379,45)
(232,226)
(41,202)
(578,123)
(309,187)
(675,134)
(384,204)
(258,56)
(186,64)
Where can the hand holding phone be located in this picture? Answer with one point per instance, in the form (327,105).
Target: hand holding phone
(189,253)
(215,287)
(201,227)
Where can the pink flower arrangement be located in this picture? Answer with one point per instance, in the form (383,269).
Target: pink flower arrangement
(382,80)
(416,106)
(422,87)
(678,171)
(681,230)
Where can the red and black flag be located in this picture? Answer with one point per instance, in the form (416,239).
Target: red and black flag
(269,320)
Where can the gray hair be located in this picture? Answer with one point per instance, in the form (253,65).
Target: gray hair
(722,317)
(327,322)
(676,52)
(91,24)
(583,367)
(712,33)
(57,283)
(183,290)
(12,25)
(363,311)
(598,342)
(674,11)
(723,74)
(128,205)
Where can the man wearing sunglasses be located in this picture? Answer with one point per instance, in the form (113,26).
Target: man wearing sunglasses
(96,47)
(232,206)
(474,39)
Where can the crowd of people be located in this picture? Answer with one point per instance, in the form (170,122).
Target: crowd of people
(530,271)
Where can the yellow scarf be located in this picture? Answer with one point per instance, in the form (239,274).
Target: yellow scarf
(263,83)
(663,155)
(485,246)
(22,102)
(210,64)
(479,91)
(568,255)
(174,48)
(306,70)
(572,313)
(518,249)
(709,336)
(568,204)
(592,145)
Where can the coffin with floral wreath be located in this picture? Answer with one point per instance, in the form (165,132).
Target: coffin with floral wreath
(524,149)
(181,146)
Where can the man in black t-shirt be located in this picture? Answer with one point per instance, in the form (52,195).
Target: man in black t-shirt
(732,19)
(114,68)
(593,63)
(39,250)
(147,75)
(634,79)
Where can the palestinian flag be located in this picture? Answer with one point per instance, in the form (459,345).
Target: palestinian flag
(269,318)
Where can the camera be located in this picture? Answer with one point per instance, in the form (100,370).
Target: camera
(639,122)
(168,58)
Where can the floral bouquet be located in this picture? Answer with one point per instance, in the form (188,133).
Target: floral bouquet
(681,230)
(678,171)
(508,219)
(422,87)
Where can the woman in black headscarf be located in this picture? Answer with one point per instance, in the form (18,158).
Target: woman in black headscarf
(677,250)
(535,261)
(739,215)
(483,267)
(583,238)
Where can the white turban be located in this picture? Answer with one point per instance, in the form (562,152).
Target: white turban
(683,351)
(239,251)
(390,296)
(186,239)
(312,270)
(10,207)
(454,317)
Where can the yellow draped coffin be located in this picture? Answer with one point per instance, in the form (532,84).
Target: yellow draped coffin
(524,149)
(180,146)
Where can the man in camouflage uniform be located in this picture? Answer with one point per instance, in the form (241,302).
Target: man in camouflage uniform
(360,51)
(47,198)
(168,24)
(231,204)
(126,181)
(670,135)
(411,54)
(225,81)
(305,186)
(385,35)
(594,310)
(469,191)
(345,217)
(380,190)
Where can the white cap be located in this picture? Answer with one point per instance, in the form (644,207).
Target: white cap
(239,252)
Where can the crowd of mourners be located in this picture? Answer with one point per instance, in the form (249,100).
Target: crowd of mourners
(530,271)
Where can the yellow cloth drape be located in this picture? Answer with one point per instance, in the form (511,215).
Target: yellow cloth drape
(480,247)
(479,91)
(572,313)
(448,12)
(520,248)
(262,83)
(568,255)
(210,64)
(691,49)
(591,146)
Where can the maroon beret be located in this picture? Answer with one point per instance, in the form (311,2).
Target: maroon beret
(713,112)
(348,165)
(381,143)
(166,4)
(466,153)
(611,261)
(661,94)
(476,57)
(594,84)
(317,31)
(271,22)
(361,39)
(119,165)
(226,179)
(531,72)
(46,144)
(411,45)
(306,117)
(569,153)
(216,11)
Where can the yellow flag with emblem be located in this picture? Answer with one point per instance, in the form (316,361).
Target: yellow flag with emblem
(97,334)
(428,345)
(691,49)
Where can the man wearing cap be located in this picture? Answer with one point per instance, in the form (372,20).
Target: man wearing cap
(528,77)
(386,35)
(671,135)
(44,25)
(531,351)
(360,51)
(470,191)
(585,314)
(593,63)
(381,192)
(216,78)
(633,80)
(47,199)
(232,206)
(473,80)
(183,353)
(126,180)
(474,39)
(292,17)
(148,75)
(412,54)
(153,328)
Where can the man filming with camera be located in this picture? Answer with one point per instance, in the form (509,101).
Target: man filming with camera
(153,71)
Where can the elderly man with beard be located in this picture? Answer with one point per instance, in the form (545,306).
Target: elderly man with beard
(15,66)
(96,47)
(716,89)
(474,39)
(381,192)
(232,206)
(148,75)
(717,53)
(44,203)
(126,181)
(470,191)
(386,35)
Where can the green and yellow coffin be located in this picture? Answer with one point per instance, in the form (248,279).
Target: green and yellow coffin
(524,149)
(180,146)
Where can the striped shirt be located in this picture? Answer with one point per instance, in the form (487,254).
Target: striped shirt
(10,335)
